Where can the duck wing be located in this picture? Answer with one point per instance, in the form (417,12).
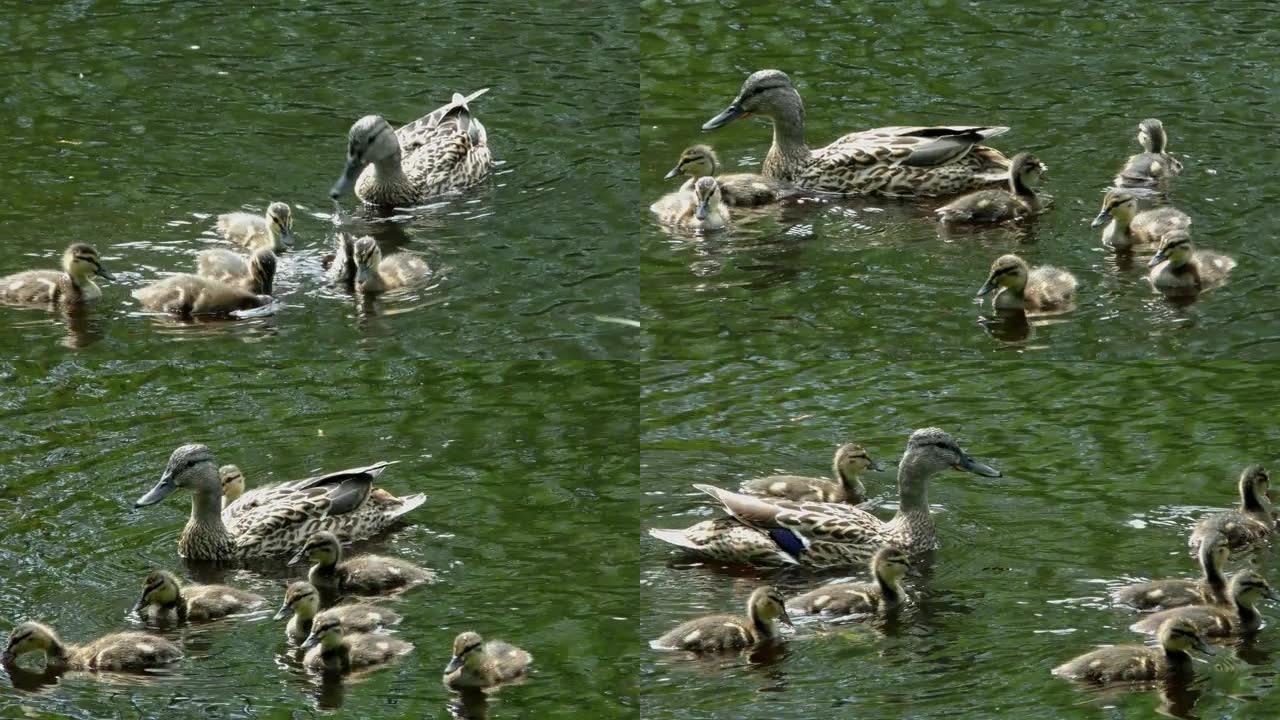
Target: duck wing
(452,118)
(917,146)
(796,526)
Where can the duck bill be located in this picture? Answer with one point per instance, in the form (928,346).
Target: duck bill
(284,612)
(310,642)
(673,173)
(347,180)
(297,557)
(1203,646)
(162,490)
(454,663)
(704,210)
(877,466)
(6,658)
(970,465)
(785,619)
(287,239)
(102,273)
(137,607)
(726,116)
(1157,259)
(986,288)
(1103,218)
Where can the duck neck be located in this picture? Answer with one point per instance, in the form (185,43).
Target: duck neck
(850,481)
(1213,577)
(1249,617)
(1178,659)
(1018,185)
(789,153)
(763,628)
(337,655)
(913,525)
(1255,504)
(59,655)
(890,590)
(205,537)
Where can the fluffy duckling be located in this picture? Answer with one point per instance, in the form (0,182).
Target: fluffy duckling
(701,209)
(1210,589)
(376,274)
(736,189)
(1240,617)
(888,566)
(164,597)
(1139,663)
(1128,230)
(192,295)
(255,273)
(716,633)
(73,284)
(849,463)
(232,479)
(341,265)
(1178,266)
(1154,166)
(477,664)
(273,230)
(331,650)
(118,651)
(1252,522)
(302,607)
(996,206)
(1024,288)
(361,575)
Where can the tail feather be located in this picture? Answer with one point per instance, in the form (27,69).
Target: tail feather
(408,503)
(674,537)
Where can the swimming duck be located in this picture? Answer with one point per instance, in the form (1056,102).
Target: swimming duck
(444,151)
(477,664)
(718,633)
(1252,522)
(232,479)
(341,265)
(302,606)
(1139,663)
(1179,267)
(1211,588)
(893,161)
(1025,288)
(272,230)
(118,651)
(255,273)
(73,284)
(344,502)
(331,650)
(850,461)
(736,189)
(163,597)
(1000,205)
(1239,617)
(885,591)
(1154,167)
(701,209)
(361,575)
(377,274)
(1128,230)
(767,531)
(192,295)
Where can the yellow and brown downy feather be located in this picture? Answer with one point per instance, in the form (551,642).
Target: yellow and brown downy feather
(164,597)
(1179,268)
(718,633)
(1247,525)
(992,205)
(845,485)
(255,273)
(883,593)
(360,575)
(1139,663)
(1238,617)
(302,606)
(1022,287)
(72,285)
(478,665)
(1154,167)
(377,274)
(115,652)
(1128,230)
(1210,588)
(736,189)
(330,650)
(272,230)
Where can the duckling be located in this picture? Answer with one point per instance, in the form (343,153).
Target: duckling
(1240,617)
(1252,522)
(376,274)
(341,265)
(302,607)
(1179,267)
(1128,230)
(331,650)
(1139,663)
(850,461)
(736,189)
(361,575)
(1210,589)
(888,566)
(479,664)
(255,273)
(1024,288)
(73,284)
(701,209)
(164,597)
(232,484)
(1000,205)
(1154,166)
(273,230)
(118,651)
(717,633)
(191,295)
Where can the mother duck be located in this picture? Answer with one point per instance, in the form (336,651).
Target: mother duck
(890,161)
(344,503)
(766,531)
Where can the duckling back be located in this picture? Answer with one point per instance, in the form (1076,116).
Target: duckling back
(255,274)
(45,287)
(127,651)
(1050,288)
(189,295)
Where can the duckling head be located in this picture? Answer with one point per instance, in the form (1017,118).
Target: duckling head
(160,588)
(300,599)
(28,637)
(764,92)
(371,140)
(891,564)
(80,261)
(707,191)
(191,467)
(933,450)
(1175,247)
(1027,168)
(1255,487)
(1248,587)
(1180,635)
(696,161)
(1117,205)
(326,631)
(280,217)
(1151,136)
(767,605)
(232,482)
(852,459)
(468,649)
(322,548)
(367,256)
(1008,271)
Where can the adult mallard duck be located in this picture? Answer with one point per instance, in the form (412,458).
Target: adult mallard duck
(377,274)
(737,189)
(1128,230)
(893,161)
(361,575)
(884,592)
(1164,594)
(718,633)
(256,273)
(1239,617)
(343,502)
(1000,205)
(1139,663)
(480,665)
(1154,167)
(444,151)
(850,461)
(165,598)
(118,651)
(1022,287)
(765,531)
(1252,522)
(330,650)
(272,230)
(73,284)
(1178,267)
(302,606)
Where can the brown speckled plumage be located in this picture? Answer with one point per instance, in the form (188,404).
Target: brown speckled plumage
(847,465)
(1248,524)
(116,652)
(70,286)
